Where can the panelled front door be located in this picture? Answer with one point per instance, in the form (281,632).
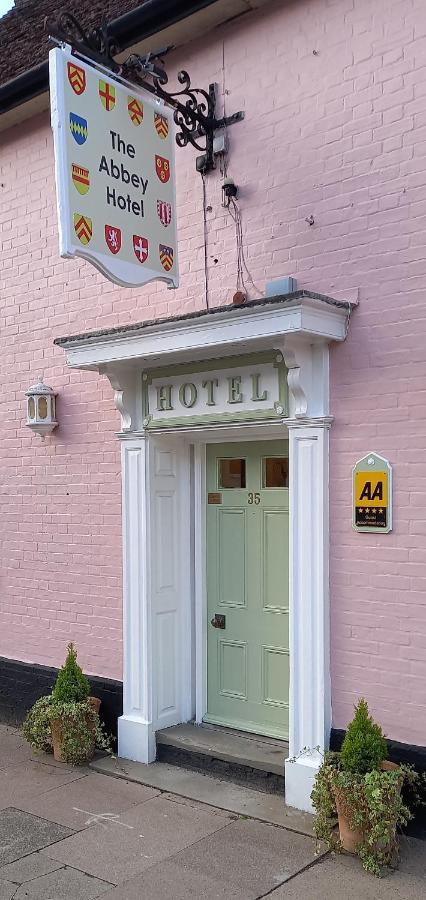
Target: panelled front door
(247,586)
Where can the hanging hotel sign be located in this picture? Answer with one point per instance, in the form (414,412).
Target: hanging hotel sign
(114,160)
(372,494)
(233,389)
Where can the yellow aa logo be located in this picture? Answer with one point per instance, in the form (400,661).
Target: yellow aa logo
(371,489)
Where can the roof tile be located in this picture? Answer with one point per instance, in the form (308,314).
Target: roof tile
(24,30)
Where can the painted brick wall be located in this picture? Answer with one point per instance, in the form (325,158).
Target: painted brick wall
(334,94)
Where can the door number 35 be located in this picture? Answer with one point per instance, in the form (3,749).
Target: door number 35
(253,498)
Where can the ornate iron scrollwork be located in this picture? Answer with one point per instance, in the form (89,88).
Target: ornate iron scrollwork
(194,108)
(96,43)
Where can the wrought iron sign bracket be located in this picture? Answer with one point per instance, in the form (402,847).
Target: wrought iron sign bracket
(194,108)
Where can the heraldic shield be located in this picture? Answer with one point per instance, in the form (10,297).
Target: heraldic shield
(83,228)
(166,257)
(76,78)
(161,126)
(107,95)
(78,128)
(140,246)
(81,178)
(162,168)
(135,110)
(164,212)
(113,238)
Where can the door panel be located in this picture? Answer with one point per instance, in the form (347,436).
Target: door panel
(233,669)
(231,558)
(274,581)
(247,586)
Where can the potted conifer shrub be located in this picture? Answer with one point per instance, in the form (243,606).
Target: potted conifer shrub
(363,788)
(67,720)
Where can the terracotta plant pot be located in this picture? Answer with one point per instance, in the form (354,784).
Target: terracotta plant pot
(351,838)
(56,728)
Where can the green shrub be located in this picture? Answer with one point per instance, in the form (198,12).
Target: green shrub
(36,728)
(364,747)
(71,685)
(373,806)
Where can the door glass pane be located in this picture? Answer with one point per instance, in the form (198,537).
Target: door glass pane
(232,473)
(275,472)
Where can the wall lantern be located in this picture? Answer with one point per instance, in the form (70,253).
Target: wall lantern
(41,408)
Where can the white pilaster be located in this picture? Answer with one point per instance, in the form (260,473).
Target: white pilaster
(310,703)
(136,738)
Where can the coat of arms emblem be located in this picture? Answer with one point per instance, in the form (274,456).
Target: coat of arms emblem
(140,246)
(135,110)
(76,78)
(166,257)
(83,228)
(107,95)
(164,212)
(113,238)
(161,126)
(162,168)
(81,178)
(78,127)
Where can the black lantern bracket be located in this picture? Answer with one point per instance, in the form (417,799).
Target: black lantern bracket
(194,108)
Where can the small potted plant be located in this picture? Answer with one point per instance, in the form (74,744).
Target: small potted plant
(67,720)
(363,789)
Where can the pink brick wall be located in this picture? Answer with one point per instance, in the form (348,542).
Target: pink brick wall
(339,133)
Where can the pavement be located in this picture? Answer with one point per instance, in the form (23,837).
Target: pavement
(78,834)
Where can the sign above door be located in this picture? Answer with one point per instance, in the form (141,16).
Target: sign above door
(114,162)
(232,389)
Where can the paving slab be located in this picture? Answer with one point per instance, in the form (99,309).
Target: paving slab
(211,791)
(7,890)
(90,799)
(14,748)
(139,838)
(22,833)
(167,879)
(195,804)
(341,875)
(65,884)
(246,858)
(31,778)
(29,867)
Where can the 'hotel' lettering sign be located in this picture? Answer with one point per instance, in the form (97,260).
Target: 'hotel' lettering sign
(114,159)
(225,390)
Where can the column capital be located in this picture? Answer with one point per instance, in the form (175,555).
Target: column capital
(310,422)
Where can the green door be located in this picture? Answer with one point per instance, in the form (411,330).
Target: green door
(247,586)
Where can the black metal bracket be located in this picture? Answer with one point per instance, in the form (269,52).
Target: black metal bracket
(194,108)
(95,44)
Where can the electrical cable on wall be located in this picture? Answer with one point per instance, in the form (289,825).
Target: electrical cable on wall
(243,271)
(206,269)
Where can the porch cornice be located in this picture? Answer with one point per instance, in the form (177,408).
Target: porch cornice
(226,329)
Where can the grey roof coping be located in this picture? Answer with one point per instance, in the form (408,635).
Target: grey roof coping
(124,330)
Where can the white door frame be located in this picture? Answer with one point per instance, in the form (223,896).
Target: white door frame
(301,328)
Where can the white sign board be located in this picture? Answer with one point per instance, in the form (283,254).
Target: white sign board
(114,160)
(248,388)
